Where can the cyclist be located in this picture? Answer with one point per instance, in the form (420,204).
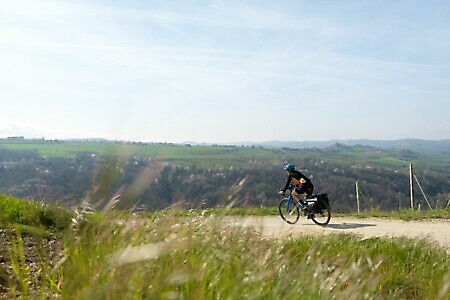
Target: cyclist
(303,184)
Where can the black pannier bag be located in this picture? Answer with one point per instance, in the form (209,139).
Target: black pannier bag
(319,205)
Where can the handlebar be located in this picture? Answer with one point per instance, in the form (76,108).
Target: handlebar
(290,187)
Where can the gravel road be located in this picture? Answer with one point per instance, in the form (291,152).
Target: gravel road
(435,231)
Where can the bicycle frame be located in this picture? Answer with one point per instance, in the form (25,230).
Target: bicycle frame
(290,199)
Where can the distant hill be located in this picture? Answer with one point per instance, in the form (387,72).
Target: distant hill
(438,146)
(416,145)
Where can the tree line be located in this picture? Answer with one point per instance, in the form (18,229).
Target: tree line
(142,183)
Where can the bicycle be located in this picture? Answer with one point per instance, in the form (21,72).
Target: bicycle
(317,209)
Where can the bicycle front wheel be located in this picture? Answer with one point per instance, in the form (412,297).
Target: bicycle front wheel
(321,216)
(289,211)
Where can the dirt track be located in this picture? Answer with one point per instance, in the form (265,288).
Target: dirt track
(436,231)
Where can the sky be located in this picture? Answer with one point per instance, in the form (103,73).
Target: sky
(225,71)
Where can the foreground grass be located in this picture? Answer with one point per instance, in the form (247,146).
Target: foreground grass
(167,256)
(30,240)
(191,254)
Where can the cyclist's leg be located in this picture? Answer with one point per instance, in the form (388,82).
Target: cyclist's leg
(296,193)
(307,189)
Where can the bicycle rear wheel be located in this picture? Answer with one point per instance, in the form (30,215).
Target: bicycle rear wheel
(289,211)
(322,215)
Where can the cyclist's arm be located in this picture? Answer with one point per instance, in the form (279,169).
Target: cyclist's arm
(286,186)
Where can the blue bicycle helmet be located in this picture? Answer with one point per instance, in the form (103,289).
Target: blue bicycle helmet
(289,167)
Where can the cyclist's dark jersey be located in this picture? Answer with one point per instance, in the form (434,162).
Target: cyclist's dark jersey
(297,178)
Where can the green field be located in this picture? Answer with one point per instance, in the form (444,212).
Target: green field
(179,154)
(222,156)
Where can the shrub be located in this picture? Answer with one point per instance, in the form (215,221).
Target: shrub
(30,213)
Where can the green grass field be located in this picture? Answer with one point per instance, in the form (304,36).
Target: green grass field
(222,156)
(202,156)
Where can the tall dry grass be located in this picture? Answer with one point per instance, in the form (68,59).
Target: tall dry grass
(193,256)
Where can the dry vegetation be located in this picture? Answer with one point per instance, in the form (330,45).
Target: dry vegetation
(188,255)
